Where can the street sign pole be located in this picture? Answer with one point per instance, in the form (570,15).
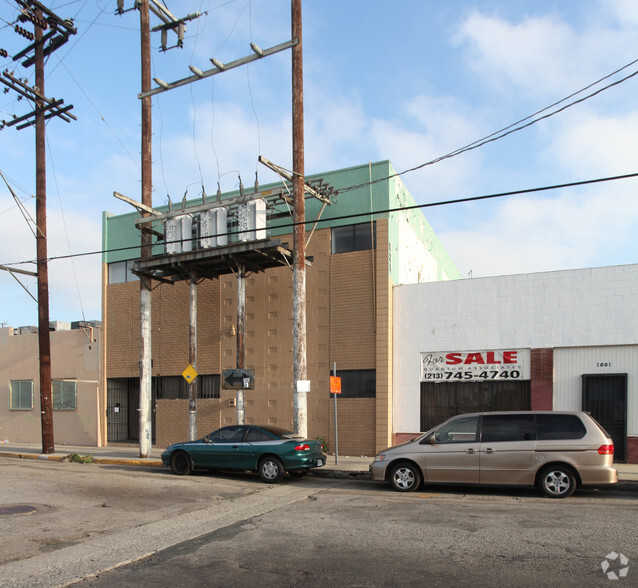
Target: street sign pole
(334,371)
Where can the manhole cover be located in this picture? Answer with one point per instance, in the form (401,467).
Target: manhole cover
(12,509)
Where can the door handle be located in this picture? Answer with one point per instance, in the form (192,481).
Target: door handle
(489,450)
(470,450)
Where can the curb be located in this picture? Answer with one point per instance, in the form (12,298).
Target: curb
(152,463)
(621,486)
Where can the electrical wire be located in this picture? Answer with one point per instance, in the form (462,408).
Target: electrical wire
(513,128)
(199,167)
(66,229)
(369,213)
(108,126)
(250,91)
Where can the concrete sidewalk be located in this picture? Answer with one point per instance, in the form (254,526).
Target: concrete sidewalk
(128,454)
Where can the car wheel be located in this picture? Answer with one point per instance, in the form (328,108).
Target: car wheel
(271,470)
(181,463)
(557,482)
(405,477)
(298,473)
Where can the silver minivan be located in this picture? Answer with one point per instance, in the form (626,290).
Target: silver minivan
(555,451)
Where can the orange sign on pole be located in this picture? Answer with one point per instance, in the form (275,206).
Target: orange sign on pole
(335,385)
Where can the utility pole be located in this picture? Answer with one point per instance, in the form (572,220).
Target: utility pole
(241,330)
(44,339)
(146,362)
(300,368)
(58,32)
(192,358)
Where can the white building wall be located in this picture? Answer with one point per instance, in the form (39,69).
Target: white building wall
(417,264)
(571,363)
(572,308)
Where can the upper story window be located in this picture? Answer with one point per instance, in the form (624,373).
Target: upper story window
(357,237)
(121,271)
(21,395)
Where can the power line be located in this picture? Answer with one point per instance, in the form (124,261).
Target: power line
(512,128)
(370,213)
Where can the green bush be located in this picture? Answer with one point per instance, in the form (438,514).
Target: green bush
(326,445)
(81,458)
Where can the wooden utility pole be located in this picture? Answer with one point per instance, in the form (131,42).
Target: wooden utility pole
(300,368)
(44,339)
(58,32)
(146,363)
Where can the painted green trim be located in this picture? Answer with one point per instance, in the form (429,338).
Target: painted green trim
(121,239)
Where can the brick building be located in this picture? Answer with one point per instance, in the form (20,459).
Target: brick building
(563,340)
(356,262)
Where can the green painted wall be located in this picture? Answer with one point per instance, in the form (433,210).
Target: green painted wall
(121,239)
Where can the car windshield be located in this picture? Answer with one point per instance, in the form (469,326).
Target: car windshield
(280,432)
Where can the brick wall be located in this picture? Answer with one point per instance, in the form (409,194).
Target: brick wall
(355,419)
(632,449)
(352,311)
(341,298)
(169,329)
(542,379)
(171,418)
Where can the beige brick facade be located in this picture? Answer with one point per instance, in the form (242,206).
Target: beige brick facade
(348,322)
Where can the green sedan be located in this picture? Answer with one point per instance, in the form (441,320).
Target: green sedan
(271,451)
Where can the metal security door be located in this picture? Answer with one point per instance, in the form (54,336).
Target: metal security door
(442,401)
(605,398)
(117,410)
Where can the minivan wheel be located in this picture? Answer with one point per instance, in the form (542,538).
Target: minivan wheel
(405,477)
(557,482)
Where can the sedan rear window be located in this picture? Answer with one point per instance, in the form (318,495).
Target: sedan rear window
(281,432)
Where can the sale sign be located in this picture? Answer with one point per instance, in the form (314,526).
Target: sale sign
(496,364)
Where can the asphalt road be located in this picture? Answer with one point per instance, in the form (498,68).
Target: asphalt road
(118,526)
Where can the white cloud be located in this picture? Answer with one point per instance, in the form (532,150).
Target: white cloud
(543,55)
(82,234)
(593,145)
(575,229)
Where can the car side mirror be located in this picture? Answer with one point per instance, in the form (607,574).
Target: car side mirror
(431,440)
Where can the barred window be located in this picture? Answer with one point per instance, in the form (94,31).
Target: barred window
(21,395)
(64,394)
(174,387)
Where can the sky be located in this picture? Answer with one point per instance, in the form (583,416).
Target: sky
(407,81)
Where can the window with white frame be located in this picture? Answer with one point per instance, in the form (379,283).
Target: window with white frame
(121,271)
(64,394)
(21,395)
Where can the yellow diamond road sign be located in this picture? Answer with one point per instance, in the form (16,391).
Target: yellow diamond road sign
(189,374)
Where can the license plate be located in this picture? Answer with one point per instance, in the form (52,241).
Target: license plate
(320,462)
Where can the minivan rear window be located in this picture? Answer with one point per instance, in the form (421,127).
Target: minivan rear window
(508,427)
(559,426)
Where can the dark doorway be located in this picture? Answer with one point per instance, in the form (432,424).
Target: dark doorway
(605,398)
(122,404)
(440,402)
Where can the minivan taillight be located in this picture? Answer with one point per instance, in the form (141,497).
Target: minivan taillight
(606,450)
